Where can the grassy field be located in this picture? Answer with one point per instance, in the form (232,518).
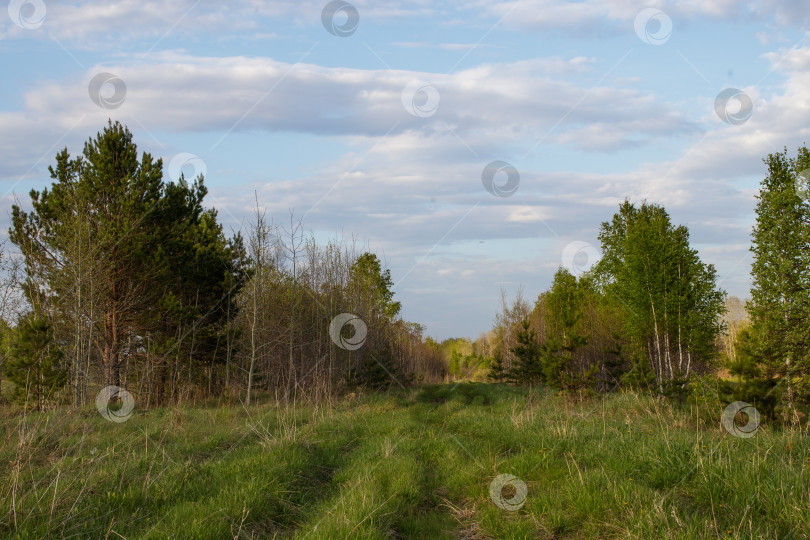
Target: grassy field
(408,465)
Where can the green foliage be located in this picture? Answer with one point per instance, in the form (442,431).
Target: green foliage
(565,303)
(617,365)
(528,367)
(552,361)
(670,301)
(375,372)
(469,393)
(376,283)
(646,316)
(497,373)
(112,246)
(709,394)
(453,366)
(463,360)
(757,382)
(33,361)
(780,293)
(640,375)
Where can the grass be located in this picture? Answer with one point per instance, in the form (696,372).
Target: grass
(407,465)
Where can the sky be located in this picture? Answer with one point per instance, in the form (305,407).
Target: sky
(473,145)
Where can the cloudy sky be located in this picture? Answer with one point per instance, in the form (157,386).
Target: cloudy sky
(474,145)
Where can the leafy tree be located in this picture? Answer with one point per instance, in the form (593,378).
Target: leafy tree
(376,283)
(780,293)
(454,366)
(34,362)
(669,298)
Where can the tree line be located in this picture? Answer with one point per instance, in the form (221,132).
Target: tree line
(647,315)
(650,314)
(121,278)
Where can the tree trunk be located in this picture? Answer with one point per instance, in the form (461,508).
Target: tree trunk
(660,370)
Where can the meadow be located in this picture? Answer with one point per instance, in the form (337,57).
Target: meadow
(413,464)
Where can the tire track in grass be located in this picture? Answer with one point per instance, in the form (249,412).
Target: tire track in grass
(443,410)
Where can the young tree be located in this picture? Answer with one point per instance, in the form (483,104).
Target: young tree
(529,353)
(259,251)
(496,370)
(564,302)
(507,323)
(34,362)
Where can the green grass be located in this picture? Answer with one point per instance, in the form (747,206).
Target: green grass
(415,465)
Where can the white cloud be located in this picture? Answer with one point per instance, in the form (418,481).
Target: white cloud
(482,108)
(611,16)
(412,185)
(88,23)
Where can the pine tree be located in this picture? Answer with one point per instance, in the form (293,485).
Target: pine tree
(161,268)
(34,362)
(528,367)
(565,309)
(496,370)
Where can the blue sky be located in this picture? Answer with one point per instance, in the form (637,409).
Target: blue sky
(383,134)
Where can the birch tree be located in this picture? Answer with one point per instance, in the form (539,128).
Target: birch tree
(669,298)
(780,293)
